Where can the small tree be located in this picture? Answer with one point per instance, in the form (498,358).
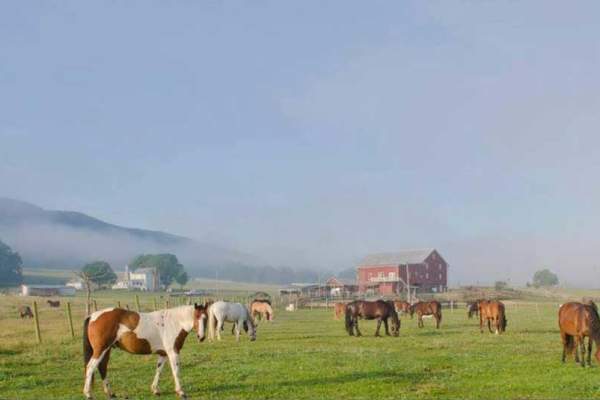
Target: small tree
(96,274)
(544,278)
(11,266)
(500,285)
(182,278)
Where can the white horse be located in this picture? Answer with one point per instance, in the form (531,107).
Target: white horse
(222,311)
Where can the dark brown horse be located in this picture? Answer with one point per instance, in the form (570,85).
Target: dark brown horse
(379,310)
(402,306)
(492,311)
(25,311)
(473,308)
(421,308)
(54,304)
(576,321)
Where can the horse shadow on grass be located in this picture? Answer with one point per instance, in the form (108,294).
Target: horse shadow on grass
(408,377)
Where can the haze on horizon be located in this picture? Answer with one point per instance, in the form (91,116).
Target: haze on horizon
(310,133)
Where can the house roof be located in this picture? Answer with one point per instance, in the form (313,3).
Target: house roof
(401,257)
(343,281)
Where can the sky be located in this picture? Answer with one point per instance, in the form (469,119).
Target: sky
(311,133)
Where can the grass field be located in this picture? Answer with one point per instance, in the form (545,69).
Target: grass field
(308,355)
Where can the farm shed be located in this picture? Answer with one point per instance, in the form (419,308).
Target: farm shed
(341,287)
(47,290)
(424,270)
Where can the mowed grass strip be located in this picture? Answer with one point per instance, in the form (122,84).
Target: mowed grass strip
(307,355)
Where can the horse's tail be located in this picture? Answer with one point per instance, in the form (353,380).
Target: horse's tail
(348,320)
(87,346)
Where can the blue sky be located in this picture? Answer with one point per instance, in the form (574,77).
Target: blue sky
(310,133)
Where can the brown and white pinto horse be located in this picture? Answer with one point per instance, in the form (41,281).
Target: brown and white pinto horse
(260,309)
(379,310)
(161,332)
(492,311)
(421,308)
(576,321)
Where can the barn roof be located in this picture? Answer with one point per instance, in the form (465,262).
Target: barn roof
(401,257)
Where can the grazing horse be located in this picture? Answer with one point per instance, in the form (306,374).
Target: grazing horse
(54,304)
(421,308)
(492,311)
(576,321)
(25,311)
(161,332)
(402,306)
(473,308)
(338,310)
(260,309)
(222,311)
(379,310)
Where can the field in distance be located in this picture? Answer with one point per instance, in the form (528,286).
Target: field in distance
(308,355)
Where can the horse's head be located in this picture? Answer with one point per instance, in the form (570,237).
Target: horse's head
(200,318)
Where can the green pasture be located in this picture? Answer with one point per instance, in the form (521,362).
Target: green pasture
(308,355)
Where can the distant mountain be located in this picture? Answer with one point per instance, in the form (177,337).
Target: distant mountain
(68,239)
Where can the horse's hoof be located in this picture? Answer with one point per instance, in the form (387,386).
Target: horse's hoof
(182,395)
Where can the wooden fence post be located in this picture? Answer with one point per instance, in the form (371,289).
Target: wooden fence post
(155,305)
(36,320)
(95,306)
(118,303)
(70,319)
(137,302)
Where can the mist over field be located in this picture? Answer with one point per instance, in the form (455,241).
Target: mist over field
(308,135)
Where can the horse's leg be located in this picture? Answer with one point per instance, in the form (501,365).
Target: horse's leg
(582,346)
(89,372)
(174,361)
(238,326)
(160,363)
(489,322)
(219,328)
(576,340)
(420,324)
(565,342)
(233,328)
(481,323)
(103,369)
(497,324)
(385,325)
(378,327)
(356,326)
(589,357)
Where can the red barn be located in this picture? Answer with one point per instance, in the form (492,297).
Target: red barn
(389,273)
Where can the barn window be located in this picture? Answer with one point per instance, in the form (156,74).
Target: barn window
(427,275)
(440,275)
(440,266)
(392,275)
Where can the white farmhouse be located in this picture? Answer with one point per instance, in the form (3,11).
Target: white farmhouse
(140,279)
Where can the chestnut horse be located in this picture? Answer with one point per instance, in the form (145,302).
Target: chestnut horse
(260,309)
(492,311)
(402,306)
(576,321)
(338,310)
(161,332)
(379,310)
(433,308)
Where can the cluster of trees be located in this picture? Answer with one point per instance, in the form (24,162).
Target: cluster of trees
(544,278)
(11,266)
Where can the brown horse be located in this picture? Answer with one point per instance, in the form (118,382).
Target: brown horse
(25,311)
(161,332)
(402,306)
(473,308)
(54,304)
(492,311)
(576,321)
(379,310)
(338,310)
(421,308)
(260,309)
